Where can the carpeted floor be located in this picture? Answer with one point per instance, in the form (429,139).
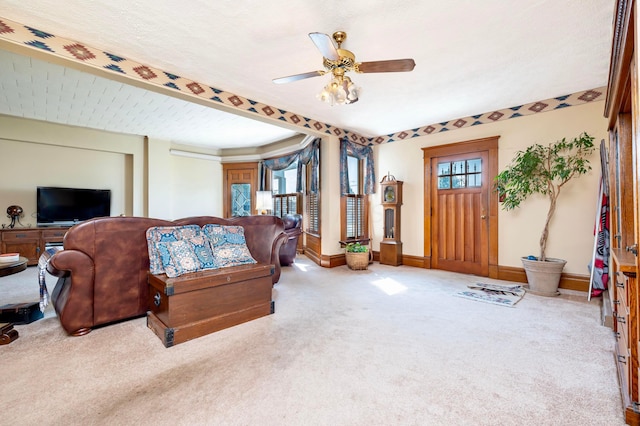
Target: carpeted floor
(384,346)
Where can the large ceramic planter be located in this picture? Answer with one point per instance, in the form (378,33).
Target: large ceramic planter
(543,277)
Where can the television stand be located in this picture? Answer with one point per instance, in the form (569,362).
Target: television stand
(67,225)
(30,242)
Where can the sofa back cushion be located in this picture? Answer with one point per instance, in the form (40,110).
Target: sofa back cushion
(228,245)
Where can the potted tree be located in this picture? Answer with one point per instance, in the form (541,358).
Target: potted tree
(544,170)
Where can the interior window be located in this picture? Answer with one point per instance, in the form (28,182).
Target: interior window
(312,206)
(287,200)
(355,204)
(284,181)
(354,174)
(283,186)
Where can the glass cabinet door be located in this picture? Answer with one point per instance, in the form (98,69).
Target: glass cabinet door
(389,223)
(240,199)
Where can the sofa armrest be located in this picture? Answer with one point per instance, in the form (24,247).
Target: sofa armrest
(67,262)
(278,242)
(293,232)
(73,295)
(60,273)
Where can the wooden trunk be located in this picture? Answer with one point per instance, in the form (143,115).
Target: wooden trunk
(200,303)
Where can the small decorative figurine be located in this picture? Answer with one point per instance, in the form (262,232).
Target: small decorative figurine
(15,213)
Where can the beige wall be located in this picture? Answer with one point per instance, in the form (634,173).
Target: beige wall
(145,179)
(159,172)
(47,166)
(36,154)
(81,141)
(571,233)
(196,186)
(330,195)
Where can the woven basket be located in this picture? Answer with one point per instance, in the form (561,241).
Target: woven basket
(357,261)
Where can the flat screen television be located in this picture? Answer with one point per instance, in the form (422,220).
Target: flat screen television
(68,206)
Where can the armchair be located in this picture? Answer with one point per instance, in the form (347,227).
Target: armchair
(293,230)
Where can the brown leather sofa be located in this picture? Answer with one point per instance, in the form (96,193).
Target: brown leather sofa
(104,265)
(293,229)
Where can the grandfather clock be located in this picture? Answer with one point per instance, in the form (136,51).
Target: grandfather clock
(391,246)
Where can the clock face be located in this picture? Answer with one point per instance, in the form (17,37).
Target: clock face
(389,194)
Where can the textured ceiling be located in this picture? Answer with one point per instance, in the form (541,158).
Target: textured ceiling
(32,88)
(471,58)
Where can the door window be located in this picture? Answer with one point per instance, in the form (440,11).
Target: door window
(460,174)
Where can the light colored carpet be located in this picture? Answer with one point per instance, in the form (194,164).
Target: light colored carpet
(384,346)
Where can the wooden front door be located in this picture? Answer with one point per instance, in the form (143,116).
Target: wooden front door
(461,213)
(460,198)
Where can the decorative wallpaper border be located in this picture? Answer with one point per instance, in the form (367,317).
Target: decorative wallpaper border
(500,115)
(81,53)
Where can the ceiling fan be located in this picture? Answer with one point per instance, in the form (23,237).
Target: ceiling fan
(338,61)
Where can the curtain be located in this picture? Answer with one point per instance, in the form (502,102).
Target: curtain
(308,155)
(362,153)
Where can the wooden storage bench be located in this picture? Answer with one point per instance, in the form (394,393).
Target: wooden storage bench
(199,303)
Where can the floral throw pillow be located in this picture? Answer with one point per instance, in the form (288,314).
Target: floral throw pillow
(202,250)
(228,245)
(178,257)
(189,233)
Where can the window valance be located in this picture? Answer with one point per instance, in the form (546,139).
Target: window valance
(362,153)
(307,155)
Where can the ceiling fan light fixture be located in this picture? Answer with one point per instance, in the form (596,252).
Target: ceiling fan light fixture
(337,61)
(340,90)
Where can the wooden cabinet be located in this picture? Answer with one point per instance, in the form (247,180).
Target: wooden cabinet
(621,109)
(624,300)
(26,242)
(53,236)
(30,242)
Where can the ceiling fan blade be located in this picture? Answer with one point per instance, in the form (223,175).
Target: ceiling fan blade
(297,77)
(395,65)
(325,45)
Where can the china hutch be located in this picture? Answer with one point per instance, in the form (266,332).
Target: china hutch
(622,112)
